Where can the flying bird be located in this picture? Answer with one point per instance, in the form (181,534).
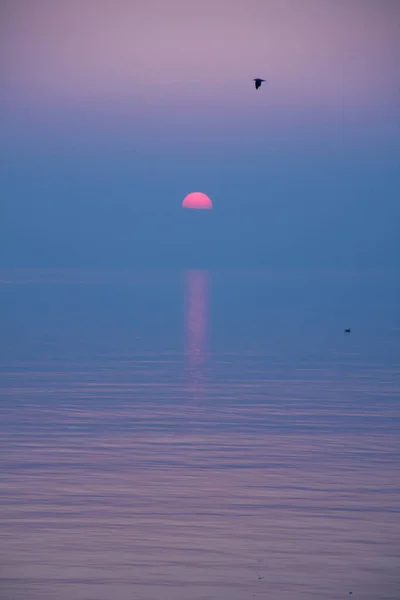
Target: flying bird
(347,330)
(258,82)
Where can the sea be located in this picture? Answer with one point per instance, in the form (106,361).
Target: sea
(199,434)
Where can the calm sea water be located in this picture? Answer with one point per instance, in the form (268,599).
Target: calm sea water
(199,435)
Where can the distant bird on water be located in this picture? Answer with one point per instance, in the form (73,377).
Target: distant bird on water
(347,330)
(258,82)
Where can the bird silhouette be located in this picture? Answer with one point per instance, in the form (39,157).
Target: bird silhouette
(258,82)
(347,330)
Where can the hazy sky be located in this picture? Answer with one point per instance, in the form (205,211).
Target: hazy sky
(116,109)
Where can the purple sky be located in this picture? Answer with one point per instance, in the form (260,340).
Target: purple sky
(154,99)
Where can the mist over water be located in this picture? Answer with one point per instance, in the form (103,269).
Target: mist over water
(199,434)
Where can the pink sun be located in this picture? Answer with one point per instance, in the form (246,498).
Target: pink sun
(197,200)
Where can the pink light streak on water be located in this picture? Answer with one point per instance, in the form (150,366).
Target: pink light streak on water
(196,329)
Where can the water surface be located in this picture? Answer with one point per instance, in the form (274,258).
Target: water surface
(199,435)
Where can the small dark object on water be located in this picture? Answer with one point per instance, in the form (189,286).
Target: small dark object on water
(258,82)
(348,331)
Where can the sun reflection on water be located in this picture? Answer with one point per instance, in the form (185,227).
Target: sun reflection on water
(196,330)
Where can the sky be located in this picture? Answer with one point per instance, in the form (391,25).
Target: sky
(114,110)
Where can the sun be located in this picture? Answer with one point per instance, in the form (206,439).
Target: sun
(197,200)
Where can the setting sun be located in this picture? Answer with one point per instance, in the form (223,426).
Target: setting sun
(197,200)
